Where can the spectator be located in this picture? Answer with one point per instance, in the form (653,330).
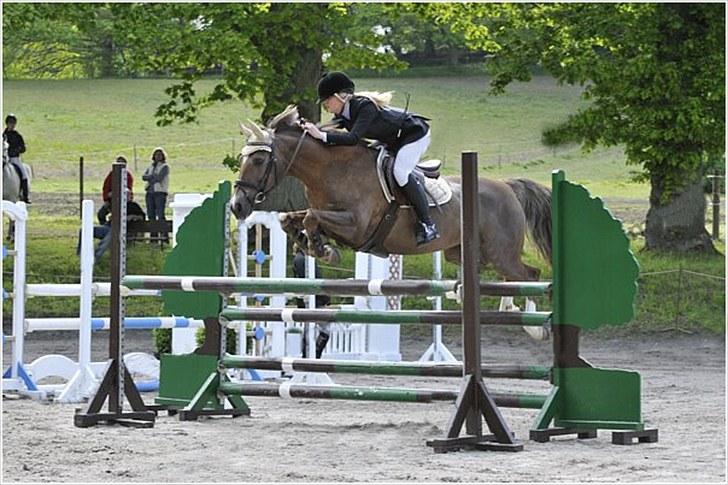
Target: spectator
(103,232)
(16,146)
(105,209)
(157,188)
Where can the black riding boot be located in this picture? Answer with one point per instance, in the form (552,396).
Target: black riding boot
(321,341)
(24,191)
(425,230)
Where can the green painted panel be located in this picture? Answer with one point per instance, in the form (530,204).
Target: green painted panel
(200,251)
(598,398)
(181,376)
(595,273)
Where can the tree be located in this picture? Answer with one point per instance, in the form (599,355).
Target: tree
(655,78)
(275,49)
(412,37)
(60,41)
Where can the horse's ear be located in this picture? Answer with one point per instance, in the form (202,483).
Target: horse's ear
(257,131)
(245,131)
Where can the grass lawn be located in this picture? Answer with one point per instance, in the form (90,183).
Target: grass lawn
(98,119)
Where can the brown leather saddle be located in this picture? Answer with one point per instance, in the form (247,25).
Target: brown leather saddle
(395,197)
(391,189)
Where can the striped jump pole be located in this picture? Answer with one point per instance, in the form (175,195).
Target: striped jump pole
(354,393)
(132,323)
(432,369)
(395,317)
(299,286)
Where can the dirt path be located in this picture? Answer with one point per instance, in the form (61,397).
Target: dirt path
(315,441)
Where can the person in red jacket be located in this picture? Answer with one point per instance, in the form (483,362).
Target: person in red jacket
(105,209)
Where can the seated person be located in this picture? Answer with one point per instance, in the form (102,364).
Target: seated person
(103,232)
(105,209)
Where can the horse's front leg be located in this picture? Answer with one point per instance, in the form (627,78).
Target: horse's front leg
(292,224)
(331,223)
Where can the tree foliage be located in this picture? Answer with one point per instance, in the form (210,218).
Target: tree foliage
(654,73)
(68,40)
(276,49)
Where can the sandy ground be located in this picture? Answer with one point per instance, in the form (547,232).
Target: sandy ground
(316,441)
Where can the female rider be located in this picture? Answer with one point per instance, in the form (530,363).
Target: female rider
(368,115)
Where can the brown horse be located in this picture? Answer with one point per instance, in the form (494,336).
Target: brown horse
(346,202)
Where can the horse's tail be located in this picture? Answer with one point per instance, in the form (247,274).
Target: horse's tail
(535,200)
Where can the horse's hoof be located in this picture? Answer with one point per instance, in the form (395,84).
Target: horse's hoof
(541,334)
(331,255)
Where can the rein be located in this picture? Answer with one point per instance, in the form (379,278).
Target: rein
(260,187)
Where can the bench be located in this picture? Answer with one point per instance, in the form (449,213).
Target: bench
(141,230)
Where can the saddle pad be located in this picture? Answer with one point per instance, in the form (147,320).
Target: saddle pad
(438,191)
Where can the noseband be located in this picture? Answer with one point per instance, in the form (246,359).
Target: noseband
(272,167)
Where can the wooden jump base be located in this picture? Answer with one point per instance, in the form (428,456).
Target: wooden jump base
(594,284)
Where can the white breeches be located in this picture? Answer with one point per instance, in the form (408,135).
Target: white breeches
(408,157)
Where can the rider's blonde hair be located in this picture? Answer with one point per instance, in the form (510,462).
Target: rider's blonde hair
(381,100)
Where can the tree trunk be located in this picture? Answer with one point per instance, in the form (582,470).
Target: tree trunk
(289,194)
(679,224)
(106,58)
(303,79)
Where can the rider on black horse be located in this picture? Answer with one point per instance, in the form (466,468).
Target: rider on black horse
(368,115)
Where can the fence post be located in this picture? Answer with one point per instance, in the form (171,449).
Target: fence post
(716,206)
(80,186)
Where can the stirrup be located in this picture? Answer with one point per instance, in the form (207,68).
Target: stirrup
(426,233)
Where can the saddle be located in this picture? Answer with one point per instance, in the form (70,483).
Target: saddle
(437,189)
(428,171)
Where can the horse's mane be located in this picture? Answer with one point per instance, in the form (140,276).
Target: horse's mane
(287,121)
(289,117)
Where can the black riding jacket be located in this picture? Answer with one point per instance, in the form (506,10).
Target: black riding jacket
(16,144)
(391,126)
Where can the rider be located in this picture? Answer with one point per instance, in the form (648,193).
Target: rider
(368,115)
(16,146)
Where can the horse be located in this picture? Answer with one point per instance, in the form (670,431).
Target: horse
(11,184)
(346,204)
(342,188)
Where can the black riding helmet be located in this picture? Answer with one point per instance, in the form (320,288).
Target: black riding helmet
(11,119)
(332,83)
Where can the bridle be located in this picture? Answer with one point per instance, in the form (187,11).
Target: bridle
(271,168)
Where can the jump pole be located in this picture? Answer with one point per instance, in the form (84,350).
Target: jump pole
(116,382)
(474,401)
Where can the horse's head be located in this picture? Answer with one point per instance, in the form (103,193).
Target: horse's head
(262,163)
